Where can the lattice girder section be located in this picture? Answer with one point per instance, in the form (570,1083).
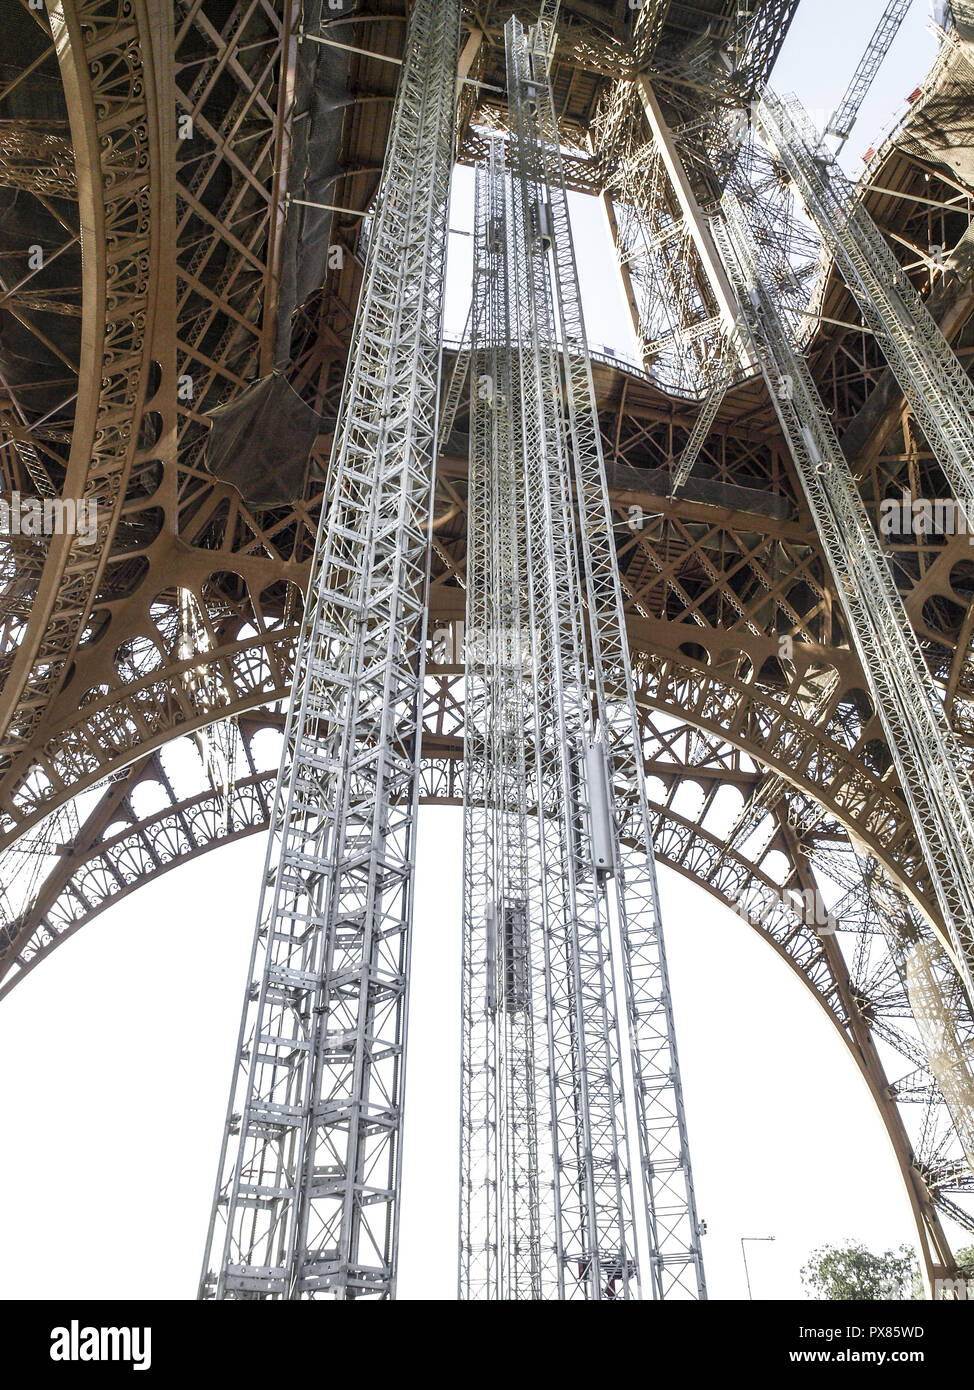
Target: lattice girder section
(117,135)
(306,1202)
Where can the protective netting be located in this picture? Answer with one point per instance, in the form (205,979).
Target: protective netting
(940,127)
(260,442)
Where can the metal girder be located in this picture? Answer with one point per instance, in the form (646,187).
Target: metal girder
(763,39)
(306,1203)
(920,740)
(618,1168)
(695,221)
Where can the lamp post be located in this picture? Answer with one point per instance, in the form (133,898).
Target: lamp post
(747,1274)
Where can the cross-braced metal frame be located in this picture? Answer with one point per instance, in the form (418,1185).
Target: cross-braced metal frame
(920,741)
(307,1197)
(568,979)
(185,612)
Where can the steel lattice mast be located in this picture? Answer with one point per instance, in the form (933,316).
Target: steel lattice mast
(676,1267)
(500,1226)
(593,1233)
(847,112)
(923,362)
(623,1212)
(920,740)
(307,1195)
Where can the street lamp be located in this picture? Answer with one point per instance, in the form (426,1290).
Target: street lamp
(747,1275)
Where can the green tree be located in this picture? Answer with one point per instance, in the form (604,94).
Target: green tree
(965,1263)
(851,1271)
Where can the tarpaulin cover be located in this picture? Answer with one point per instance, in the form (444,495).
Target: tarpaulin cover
(260,442)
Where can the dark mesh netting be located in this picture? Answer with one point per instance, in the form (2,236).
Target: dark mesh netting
(260,442)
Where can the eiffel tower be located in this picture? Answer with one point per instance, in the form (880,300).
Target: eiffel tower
(684,610)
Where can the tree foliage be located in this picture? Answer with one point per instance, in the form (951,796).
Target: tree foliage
(965,1264)
(852,1272)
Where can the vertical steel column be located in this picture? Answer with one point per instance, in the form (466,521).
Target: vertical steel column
(618,945)
(307,1194)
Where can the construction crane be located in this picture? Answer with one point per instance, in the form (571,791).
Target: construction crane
(925,365)
(564,966)
(306,1203)
(907,702)
(502,986)
(847,112)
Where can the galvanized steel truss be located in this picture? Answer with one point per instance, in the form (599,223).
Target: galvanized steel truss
(587,989)
(307,1196)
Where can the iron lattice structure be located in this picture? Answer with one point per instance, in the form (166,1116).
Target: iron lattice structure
(778,763)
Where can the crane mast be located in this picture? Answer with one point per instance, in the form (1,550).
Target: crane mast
(909,706)
(847,112)
(306,1203)
(612,1149)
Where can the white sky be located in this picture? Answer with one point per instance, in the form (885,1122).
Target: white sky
(118,1050)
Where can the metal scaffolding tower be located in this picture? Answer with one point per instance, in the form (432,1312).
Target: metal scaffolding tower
(500,1230)
(307,1195)
(908,703)
(847,112)
(923,362)
(564,969)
